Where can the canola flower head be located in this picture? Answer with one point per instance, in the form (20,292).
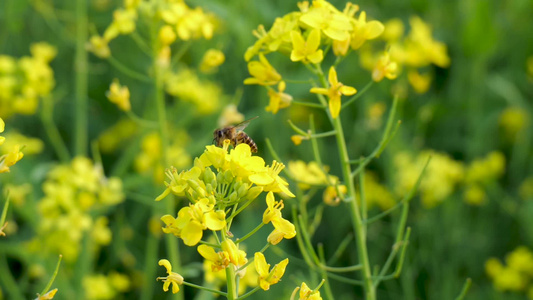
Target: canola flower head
(268,277)
(334,92)
(385,68)
(262,72)
(173,278)
(279,99)
(305,293)
(119,95)
(306,50)
(211,60)
(419,82)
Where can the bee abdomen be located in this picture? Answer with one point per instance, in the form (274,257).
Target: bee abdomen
(244,138)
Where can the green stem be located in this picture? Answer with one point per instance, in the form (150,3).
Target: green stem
(49,285)
(249,293)
(355,213)
(358,95)
(47,117)
(140,121)
(309,104)
(325,280)
(150,265)
(8,282)
(81,80)
(250,233)
(204,288)
(159,98)
(232,292)
(465,289)
(127,71)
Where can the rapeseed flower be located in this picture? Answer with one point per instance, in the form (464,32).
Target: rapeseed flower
(262,72)
(48,296)
(334,92)
(306,293)
(212,59)
(279,99)
(119,95)
(173,278)
(268,277)
(306,50)
(364,31)
(385,68)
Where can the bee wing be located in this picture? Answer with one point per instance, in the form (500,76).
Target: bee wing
(241,126)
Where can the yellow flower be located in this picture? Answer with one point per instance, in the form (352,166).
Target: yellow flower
(306,293)
(173,277)
(99,46)
(2,128)
(167,35)
(331,197)
(297,139)
(310,174)
(474,195)
(306,50)
(394,30)
(43,51)
(419,82)
(326,18)
(364,31)
(194,219)
(211,60)
(283,228)
(385,68)
(120,95)
(334,92)
(123,23)
(279,99)
(219,260)
(262,72)
(420,47)
(48,296)
(237,257)
(230,115)
(513,120)
(270,180)
(266,277)
(8,160)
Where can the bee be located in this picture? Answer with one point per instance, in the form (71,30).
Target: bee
(235,134)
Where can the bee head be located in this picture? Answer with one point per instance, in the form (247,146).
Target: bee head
(217,135)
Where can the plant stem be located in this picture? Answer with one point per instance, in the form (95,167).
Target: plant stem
(81,80)
(47,117)
(159,96)
(232,292)
(358,226)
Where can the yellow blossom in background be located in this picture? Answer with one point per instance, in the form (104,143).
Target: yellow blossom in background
(279,99)
(99,46)
(123,23)
(486,169)
(98,287)
(516,274)
(167,35)
(10,159)
(529,69)
(309,174)
(419,82)
(512,121)
(440,179)
(394,30)
(268,277)
(26,80)
(334,92)
(422,49)
(306,50)
(377,194)
(374,114)
(120,95)
(187,86)
(18,193)
(385,68)
(173,278)
(364,31)
(211,60)
(262,72)
(32,145)
(331,196)
(71,192)
(475,195)
(230,115)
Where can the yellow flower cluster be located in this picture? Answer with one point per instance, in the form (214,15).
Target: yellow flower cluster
(71,194)
(102,287)
(440,179)
(306,36)
(187,86)
(415,51)
(25,80)
(305,293)
(516,275)
(480,172)
(119,95)
(220,180)
(149,158)
(180,21)
(377,194)
(12,154)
